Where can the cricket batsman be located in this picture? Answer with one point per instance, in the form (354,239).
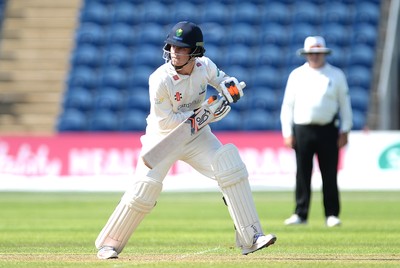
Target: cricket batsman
(178,90)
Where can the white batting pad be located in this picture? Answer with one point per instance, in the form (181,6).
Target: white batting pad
(232,177)
(135,204)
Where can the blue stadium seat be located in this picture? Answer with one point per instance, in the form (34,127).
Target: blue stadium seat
(362,55)
(336,12)
(299,33)
(104,2)
(364,34)
(258,119)
(155,12)
(359,76)
(367,12)
(359,98)
(123,34)
(339,56)
(306,12)
(133,120)
(267,76)
(238,54)
(78,98)
(95,12)
(264,98)
(216,12)
(238,71)
(113,77)
(186,11)
(86,55)
(126,12)
(103,120)
(117,55)
(215,53)
(140,77)
(271,55)
(147,55)
(293,60)
(359,120)
(138,99)
(152,34)
(277,13)
(82,76)
(243,33)
(214,34)
(247,12)
(336,34)
(109,99)
(91,33)
(274,34)
(72,120)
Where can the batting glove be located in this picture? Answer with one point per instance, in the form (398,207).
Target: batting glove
(232,90)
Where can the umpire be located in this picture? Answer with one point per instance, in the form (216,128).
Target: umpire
(316,118)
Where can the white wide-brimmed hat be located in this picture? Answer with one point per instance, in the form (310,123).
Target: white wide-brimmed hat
(314,44)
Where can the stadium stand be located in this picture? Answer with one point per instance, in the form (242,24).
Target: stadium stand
(36,41)
(118,44)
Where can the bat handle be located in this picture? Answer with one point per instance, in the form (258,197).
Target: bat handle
(242,84)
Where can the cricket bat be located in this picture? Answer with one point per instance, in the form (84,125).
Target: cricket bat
(178,136)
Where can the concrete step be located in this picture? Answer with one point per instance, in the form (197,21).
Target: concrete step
(35,54)
(44,3)
(32,75)
(32,86)
(35,33)
(43,65)
(41,23)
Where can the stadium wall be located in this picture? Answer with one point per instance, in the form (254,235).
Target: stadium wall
(106,162)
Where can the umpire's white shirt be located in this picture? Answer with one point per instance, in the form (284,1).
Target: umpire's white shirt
(314,96)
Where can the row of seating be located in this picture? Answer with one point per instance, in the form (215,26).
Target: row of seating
(217,34)
(263,76)
(215,11)
(135,120)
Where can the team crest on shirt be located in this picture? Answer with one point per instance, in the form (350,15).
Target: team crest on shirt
(178,96)
(176,77)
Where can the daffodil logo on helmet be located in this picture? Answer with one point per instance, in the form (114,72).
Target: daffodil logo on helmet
(179,32)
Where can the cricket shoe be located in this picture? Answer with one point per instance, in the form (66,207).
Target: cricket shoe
(107,252)
(333,221)
(260,242)
(295,220)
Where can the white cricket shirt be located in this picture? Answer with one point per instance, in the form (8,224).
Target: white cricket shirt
(314,96)
(173,96)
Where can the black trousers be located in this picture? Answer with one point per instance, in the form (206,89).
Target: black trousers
(320,141)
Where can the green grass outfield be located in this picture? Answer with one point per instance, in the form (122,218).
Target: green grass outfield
(194,230)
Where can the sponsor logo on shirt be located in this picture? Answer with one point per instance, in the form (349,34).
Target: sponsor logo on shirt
(189,105)
(178,96)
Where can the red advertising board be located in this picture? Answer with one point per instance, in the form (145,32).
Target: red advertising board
(110,154)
